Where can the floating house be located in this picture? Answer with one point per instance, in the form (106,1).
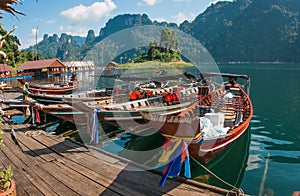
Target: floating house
(111,65)
(5,71)
(111,70)
(79,65)
(42,67)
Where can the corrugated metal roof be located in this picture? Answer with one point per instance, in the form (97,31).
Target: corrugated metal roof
(79,63)
(4,68)
(40,64)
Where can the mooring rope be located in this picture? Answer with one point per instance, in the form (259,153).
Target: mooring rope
(239,191)
(262,184)
(33,133)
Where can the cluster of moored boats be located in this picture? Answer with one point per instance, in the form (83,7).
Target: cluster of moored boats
(198,117)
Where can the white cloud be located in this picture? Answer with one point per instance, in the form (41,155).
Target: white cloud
(93,13)
(34,31)
(31,39)
(180,17)
(159,19)
(74,30)
(216,1)
(148,2)
(29,42)
(50,22)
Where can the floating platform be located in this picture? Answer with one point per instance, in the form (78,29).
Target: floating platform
(46,164)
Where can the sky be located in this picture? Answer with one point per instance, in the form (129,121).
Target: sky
(76,17)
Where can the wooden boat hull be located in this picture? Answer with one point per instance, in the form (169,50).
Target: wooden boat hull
(89,96)
(50,89)
(186,125)
(67,112)
(206,149)
(170,126)
(48,99)
(54,91)
(126,113)
(129,119)
(130,113)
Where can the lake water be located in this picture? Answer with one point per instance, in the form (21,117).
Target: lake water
(275,128)
(266,159)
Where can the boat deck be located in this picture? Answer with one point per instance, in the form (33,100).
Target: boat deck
(47,164)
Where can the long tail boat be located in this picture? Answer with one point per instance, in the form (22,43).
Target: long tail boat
(88,96)
(67,112)
(211,123)
(52,89)
(169,101)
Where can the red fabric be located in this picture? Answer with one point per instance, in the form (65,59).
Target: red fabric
(139,95)
(149,93)
(175,97)
(168,98)
(37,115)
(166,169)
(183,154)
(167,143)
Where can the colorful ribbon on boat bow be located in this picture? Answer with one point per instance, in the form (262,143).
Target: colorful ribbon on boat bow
(175,151)
(24,87)
(35,114)
(94,125)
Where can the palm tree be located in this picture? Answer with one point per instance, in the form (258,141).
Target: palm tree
(6,5)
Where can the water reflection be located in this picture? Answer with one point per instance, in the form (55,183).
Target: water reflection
(229,165)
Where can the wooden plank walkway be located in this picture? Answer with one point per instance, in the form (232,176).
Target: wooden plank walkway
(50,165)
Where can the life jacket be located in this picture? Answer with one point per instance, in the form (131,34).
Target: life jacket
(135,95)
(149,93)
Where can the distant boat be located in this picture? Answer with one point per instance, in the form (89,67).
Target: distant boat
(50,88)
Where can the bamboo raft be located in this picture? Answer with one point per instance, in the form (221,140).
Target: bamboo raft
(50,165)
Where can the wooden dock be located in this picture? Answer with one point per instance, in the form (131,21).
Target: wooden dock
(50,165)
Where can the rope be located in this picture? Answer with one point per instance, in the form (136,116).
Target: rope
(262,184)
(33,133)
(238,191)
(196,137)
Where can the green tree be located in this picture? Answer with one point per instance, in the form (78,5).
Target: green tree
(168,40)
(166,51)
(10,47)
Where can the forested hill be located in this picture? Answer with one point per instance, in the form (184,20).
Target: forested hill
(249,30)
(238,31)
(67,47)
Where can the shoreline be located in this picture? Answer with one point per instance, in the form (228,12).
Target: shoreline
(260,63)
(157,64)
